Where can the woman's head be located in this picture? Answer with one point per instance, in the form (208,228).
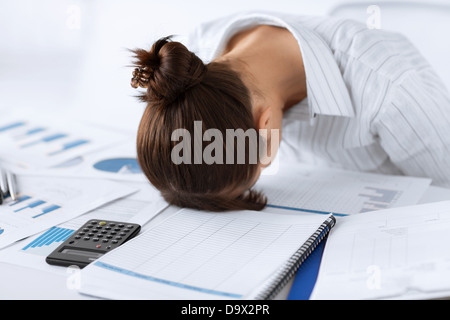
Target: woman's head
(182,142)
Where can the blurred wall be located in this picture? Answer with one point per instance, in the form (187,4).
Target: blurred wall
(70,57)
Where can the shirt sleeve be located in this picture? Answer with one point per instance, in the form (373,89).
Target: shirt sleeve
(414,127)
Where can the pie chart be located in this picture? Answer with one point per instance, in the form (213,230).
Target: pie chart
(119,165)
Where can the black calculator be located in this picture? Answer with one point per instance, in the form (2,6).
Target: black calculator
(91,241)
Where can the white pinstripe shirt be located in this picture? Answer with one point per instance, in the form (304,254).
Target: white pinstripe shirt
(374,104)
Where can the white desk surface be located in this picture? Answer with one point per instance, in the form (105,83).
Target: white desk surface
(23,283)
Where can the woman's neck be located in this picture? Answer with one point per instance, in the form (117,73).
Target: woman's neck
(272,63)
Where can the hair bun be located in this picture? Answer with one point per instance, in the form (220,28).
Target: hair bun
(166,71)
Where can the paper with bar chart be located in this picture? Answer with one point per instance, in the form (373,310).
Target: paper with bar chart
(40,142)
(140,207)
(305,189)
(44,202)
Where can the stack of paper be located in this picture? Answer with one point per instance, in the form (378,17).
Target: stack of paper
(399,253)
(67,173)
(51,201)
(302,188)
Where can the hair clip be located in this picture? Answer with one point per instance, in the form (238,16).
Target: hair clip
(140,78)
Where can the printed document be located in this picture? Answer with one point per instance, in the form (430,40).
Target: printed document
(391,254)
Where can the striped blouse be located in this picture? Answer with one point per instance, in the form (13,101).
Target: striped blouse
(374,103)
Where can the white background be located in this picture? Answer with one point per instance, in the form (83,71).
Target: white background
(70,57)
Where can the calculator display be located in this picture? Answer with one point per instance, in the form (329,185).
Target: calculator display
(88,254)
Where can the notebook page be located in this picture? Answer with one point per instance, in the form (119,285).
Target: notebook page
(388,254)
(321,190)
(199,255)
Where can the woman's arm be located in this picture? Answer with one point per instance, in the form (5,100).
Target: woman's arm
(414,127)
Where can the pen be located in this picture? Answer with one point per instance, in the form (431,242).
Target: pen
(7,185)
(3,185)
(11,180)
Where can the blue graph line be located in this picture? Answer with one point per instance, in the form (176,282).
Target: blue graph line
(2,230)
(307,210)
(31,205)
(45,139)
(68,146)
(47,210)
(21,199)
(34,131)
(12,126)
(166,282)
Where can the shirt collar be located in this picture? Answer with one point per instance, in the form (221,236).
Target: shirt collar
(327,92)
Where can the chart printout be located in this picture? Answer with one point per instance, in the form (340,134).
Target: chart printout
(45,202)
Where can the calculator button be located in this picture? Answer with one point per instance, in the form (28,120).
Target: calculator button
(102,223)
(99,236)
(129,226)
(93,222)
(98,227)
(90,234)
(115,241)
(121,225)
(118,238)
(98,246)
(96,239)
(86,238)
(113,233)
(117,229)
(77,237)
(122,234)
(105,240)
(107,228)
(126,230)
(112,224)
(109,236)
(85,229)
(81,233)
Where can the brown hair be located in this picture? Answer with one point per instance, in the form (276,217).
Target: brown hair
(181,89)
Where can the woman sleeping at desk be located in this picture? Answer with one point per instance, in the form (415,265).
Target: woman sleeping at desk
(342,95)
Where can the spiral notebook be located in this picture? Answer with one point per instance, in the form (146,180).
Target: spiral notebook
(204,255)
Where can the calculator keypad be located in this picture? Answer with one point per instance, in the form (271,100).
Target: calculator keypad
(104,234)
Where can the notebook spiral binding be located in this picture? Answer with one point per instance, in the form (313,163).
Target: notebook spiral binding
(295,261)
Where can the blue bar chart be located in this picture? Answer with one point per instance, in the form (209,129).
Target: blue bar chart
(48,241)
(33,208)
